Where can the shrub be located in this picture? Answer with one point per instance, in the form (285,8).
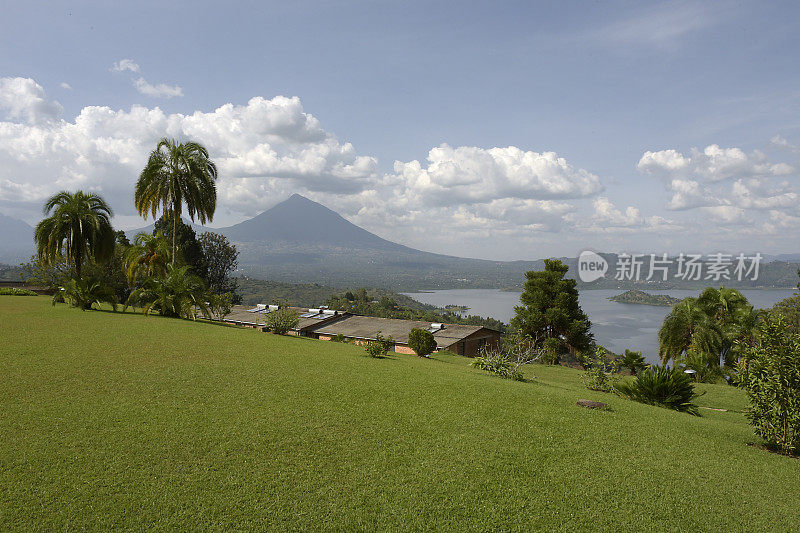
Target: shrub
(706,367)
(770,373)
(15,291)
(600,371)
(633,361)
(507,361)
(662,386)
(554,350)
(282,320)
(180,293)
(380,346)
(421,341)
(339,338)
(84,293)
(220,304)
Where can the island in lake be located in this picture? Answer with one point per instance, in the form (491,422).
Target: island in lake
(635,296)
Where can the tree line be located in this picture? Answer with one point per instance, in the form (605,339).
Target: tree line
(171,271)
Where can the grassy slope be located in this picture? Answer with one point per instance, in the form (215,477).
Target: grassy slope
(114,420)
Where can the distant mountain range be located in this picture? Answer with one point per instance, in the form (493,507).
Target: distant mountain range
(302,241)
(16,240)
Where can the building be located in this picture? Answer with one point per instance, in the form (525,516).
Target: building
(255,317)
(457,338)
(324,324)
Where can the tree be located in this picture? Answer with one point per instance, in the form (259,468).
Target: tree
(550,309)
(713,327)
(421,341)
(633,361)
(178,293)
(770,373)
(282,320)
(221,259)
(188,247)
(148,256)
(78,228)
(84,293)
(177,174)
(688,326)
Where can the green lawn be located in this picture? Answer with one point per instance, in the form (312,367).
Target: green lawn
(114,420)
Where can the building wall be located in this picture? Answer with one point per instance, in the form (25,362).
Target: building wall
(324,337)
(471,346)
(402,348)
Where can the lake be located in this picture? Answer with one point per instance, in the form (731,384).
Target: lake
(616,326)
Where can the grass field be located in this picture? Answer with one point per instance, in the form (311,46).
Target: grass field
(114,420)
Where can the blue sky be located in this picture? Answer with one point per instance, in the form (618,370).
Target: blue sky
(600,84)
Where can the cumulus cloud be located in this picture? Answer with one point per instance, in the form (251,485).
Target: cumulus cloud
(24,99)
(263,147)
(608,218)
(125,65)
(725,214)
(470,174)
(711,164)
(688,194)
(66,86)
(755,194)
(160,90)
(780,142)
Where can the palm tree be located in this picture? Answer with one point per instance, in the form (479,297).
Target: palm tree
(177,174)
(148,256)
(178,293)
(78,227)
(687,327)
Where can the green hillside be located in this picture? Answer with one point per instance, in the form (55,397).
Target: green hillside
(127,422)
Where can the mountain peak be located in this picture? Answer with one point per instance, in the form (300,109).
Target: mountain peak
(303,221)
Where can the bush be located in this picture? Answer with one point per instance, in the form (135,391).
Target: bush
(600,371)
(220,304)
(84,293)
(282,320)
(770,373)
(662,386)
(508,360)
(380,346)
(422,342)
(15,291)
(339,338)
(554,350)
(633,361)
(705,367)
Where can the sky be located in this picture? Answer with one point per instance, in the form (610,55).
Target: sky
(499,130)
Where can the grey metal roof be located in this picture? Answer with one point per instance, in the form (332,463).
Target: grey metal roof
(367,327)
(245,315)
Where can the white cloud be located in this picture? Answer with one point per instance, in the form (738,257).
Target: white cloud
(755,194)
(726,214)
(608,218)
(472,174)
(688,194)
(24,99)
(711,164)
(65,85)
(264,150)
(125,65)
(160,90)
(780,142)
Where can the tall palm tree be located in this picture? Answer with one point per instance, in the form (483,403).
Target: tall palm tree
(78,227)
(149,256)
(177,174)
